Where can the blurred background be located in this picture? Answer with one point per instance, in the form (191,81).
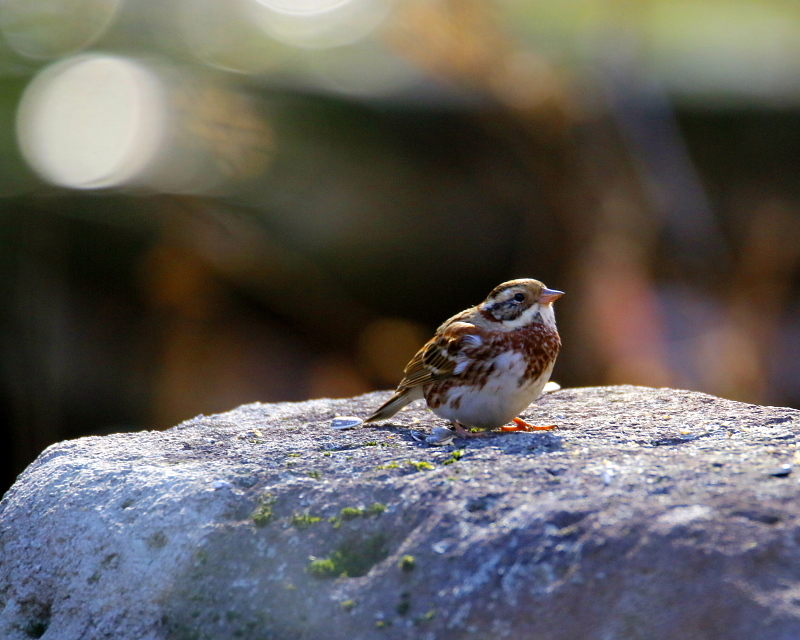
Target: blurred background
(212,202)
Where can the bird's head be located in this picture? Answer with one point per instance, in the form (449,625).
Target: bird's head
(517,303)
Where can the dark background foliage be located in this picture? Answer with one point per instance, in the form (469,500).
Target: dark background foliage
(323,187)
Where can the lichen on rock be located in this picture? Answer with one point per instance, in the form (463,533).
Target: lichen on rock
(649,513)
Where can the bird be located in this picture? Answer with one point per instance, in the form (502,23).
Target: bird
(485,365)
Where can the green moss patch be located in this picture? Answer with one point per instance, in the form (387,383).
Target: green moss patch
(304,520)
(348,605)
(407,563)
(350,513)
(322,568)
(352,559)
(263,515)
(455,456)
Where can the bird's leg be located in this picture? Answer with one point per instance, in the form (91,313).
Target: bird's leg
(521,425)
(463,433)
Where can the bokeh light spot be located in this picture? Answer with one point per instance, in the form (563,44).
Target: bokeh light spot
(52,28)
(319,24)
(91,121)
(304,7)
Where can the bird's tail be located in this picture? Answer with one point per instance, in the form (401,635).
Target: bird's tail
(394,404)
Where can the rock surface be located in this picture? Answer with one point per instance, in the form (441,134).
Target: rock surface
(649,514)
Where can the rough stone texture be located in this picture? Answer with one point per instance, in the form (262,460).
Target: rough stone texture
(649,514)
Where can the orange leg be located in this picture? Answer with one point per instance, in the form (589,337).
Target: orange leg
(521,425)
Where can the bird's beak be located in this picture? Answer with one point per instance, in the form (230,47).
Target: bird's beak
(550,295)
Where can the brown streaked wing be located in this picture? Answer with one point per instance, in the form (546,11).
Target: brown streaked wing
(437,359)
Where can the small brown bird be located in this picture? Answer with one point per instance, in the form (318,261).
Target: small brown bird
(485,365)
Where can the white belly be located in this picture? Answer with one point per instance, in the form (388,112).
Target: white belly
(499,401)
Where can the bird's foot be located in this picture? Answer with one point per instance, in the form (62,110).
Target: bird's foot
(461,432)
(521,425)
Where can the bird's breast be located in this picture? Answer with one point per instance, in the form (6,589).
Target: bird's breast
(498,379)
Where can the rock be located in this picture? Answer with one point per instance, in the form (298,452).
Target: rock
(649,514)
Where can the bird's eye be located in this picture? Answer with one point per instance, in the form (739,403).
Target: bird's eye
(519,297)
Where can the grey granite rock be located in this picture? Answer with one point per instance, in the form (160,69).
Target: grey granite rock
(649,514)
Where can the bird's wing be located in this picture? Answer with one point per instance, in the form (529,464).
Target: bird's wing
(440,357)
